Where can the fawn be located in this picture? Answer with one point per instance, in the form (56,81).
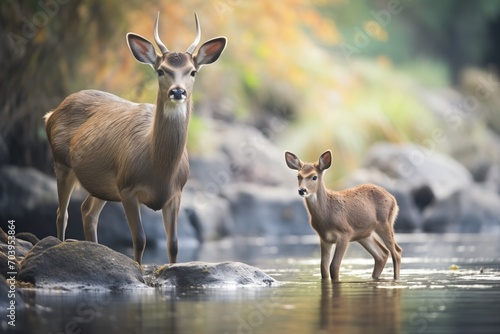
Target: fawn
(355,214)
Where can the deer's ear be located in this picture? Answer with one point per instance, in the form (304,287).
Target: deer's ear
(325,160)
(142,49)
(210,51)
(292,161)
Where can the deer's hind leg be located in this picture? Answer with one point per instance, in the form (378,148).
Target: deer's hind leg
(66,181)
(379,252)
(91,208)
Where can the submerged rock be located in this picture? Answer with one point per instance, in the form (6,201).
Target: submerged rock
(81,264)
(203,274)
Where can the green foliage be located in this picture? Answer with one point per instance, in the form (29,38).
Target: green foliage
(384,106)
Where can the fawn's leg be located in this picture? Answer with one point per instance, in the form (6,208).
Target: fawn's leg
(326,258)
(386,233)
(340,248)
(379,252)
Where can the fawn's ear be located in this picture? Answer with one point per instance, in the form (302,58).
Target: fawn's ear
(292,161)
(325,160)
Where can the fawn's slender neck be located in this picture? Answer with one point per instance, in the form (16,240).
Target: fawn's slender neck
(317,200)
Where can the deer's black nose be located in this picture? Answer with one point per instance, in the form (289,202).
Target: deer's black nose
(178,94)
(302,191)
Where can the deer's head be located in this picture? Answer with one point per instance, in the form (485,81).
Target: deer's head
(176,70)
(310,175)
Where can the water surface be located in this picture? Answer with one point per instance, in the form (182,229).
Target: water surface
(449,284)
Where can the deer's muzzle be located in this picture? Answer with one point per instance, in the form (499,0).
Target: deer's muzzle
(177,94)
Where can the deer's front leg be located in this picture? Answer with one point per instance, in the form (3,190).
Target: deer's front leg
(170,213)
(340,248)
(133,213)
(326,257)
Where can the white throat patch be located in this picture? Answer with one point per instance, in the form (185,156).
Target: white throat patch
(178,111)
(313,198)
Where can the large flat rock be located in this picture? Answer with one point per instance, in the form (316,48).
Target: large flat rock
(204,274)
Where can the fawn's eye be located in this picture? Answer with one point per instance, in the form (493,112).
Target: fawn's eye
(160,73)
(193,73)
(315,177)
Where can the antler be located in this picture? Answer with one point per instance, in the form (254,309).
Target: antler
(160,44)
(193,46)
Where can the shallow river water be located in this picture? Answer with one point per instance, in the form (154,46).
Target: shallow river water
(449,284)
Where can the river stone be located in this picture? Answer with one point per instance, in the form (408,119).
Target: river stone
(22,247)
(43,245)
(79,264)
(204,274)
(413,166)
(26,236)
(266,211)
(472,210)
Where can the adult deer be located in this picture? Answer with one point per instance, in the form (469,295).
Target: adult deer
(355,214)
(130,152)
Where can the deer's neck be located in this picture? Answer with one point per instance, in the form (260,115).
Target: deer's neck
(169,135)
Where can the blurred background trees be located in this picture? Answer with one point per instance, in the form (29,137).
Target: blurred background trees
(310,75)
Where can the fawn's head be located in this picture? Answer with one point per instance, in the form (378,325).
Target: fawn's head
(310,175)
(176,70)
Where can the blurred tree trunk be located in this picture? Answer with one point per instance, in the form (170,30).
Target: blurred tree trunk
(43,42)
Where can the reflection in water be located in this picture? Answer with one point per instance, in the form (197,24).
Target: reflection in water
(354,307)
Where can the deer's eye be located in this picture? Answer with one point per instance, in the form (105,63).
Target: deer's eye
(315,177)
(160,73)
(193,73)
